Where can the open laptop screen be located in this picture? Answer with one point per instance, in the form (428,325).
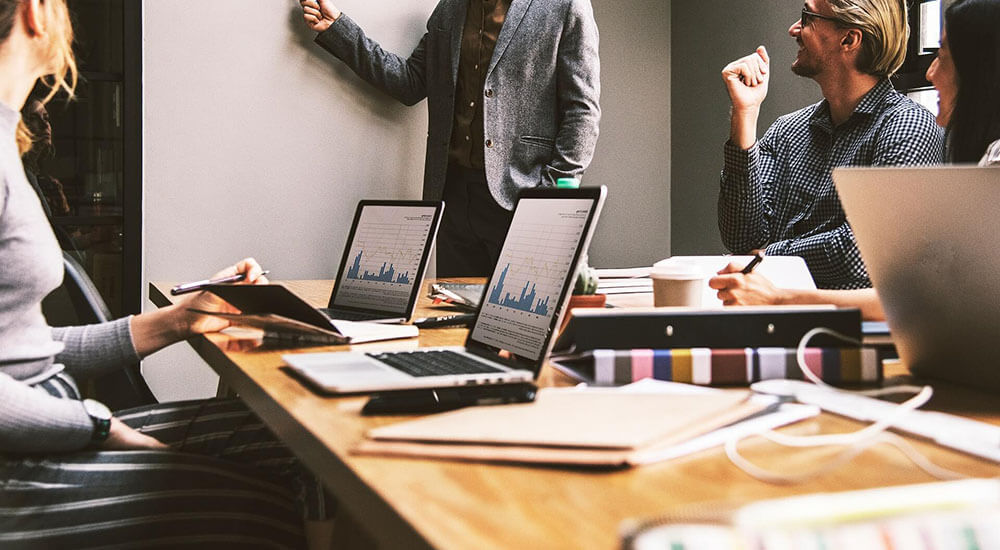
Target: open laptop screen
(536,268)
(385,257)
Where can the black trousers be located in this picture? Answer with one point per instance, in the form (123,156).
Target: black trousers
(473,228)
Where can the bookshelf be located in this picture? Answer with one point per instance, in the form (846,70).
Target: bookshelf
(926,19)
(91,177)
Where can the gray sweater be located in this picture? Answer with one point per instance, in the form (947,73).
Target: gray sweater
(32,421)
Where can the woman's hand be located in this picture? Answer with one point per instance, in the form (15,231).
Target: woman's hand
(737,289)
(191,323)
(122,437)
(160,328)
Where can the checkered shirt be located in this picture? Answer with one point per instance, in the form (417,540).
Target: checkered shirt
(779,194)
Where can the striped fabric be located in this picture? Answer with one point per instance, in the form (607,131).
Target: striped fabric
(726,367)
(227,482)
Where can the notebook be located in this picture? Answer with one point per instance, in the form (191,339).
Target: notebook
(385,258)
(928,237)
(514,327)
(568,426)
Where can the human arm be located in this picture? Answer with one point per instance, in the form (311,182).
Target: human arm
(748,182)
(33,422)
(746,82)
(735,288)
(578,74)
(403,79)
(319,14)
(157,329)
(92,349)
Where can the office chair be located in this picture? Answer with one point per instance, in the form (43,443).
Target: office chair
(77,302)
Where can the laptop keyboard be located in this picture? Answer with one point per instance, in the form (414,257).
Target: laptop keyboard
(433,363)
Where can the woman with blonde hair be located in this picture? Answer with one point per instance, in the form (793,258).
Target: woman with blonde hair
(72,473)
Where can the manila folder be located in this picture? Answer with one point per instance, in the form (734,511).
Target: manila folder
(563,426)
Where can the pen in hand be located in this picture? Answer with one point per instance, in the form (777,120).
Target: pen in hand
(198,285)
(757,258)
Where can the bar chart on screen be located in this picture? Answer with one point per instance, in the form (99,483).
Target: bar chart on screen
(384,257)
(533,268)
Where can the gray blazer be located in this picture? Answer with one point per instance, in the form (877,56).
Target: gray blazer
(540,106)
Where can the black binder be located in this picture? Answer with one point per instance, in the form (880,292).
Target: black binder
(724,328)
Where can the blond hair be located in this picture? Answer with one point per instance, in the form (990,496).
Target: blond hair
(64,73)
(885,28)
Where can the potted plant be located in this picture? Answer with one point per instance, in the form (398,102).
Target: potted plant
(585,290)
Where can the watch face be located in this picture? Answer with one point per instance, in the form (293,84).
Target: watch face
(100,415)
(97,410)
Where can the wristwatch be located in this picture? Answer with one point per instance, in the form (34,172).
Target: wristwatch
(100,414)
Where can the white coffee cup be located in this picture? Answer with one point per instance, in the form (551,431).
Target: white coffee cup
(676,283)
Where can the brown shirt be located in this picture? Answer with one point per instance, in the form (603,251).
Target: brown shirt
(479,38)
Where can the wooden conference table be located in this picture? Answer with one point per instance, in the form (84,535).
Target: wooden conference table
(418,503)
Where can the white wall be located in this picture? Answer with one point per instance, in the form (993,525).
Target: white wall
(256,141)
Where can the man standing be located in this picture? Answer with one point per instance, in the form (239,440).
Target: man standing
(512,90)
(777,193)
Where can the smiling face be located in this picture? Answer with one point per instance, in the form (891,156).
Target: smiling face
(943,75)
(817,38)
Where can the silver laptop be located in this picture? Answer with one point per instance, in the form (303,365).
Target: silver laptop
(513,331)
(929,238)
(385,258)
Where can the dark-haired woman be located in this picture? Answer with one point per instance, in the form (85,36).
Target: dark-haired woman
(966,74)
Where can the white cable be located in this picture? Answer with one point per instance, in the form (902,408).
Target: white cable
(856,442)
(845,456)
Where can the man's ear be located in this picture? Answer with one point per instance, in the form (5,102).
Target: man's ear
(851,39)
(32,17)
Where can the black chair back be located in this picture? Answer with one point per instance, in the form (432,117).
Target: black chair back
(78,302)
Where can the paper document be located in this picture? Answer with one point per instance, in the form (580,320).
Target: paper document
(609,428)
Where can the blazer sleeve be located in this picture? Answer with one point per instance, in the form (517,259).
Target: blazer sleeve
(403,79)
(578,70)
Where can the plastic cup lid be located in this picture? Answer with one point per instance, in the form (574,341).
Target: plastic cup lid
(667,269)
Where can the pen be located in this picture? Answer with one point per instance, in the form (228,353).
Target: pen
(198,285)
(447,320)
(757,258)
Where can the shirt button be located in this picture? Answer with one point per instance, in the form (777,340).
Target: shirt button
(489,144)
(472,104)
(476,67)
(489,93)
(468,138)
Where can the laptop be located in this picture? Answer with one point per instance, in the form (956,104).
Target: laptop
(928,237)
(514,327)
(384,262)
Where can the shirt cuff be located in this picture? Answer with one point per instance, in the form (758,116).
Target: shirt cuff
(739,163)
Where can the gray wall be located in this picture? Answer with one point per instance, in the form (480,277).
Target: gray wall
(707,35)
(257,142)
(633,152)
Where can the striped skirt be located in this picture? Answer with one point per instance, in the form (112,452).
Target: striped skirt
(227,482)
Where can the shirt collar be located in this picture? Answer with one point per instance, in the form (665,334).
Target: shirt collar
(869,104)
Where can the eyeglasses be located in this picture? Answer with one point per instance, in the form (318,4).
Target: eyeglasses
(808,16)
